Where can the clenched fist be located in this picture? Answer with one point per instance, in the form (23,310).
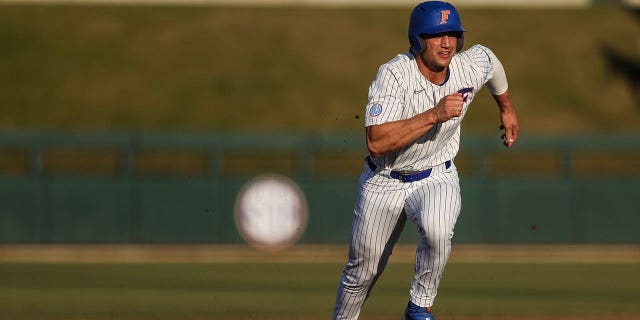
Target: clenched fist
(449,107)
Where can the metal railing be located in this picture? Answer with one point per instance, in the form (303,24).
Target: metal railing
(567,156)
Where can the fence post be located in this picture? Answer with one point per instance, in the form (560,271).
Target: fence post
(36,170)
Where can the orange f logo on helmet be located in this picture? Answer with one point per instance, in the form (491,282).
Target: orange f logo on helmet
(445,16)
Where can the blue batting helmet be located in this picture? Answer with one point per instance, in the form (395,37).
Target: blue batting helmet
(433,17)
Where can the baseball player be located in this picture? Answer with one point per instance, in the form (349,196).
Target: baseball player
(416,104)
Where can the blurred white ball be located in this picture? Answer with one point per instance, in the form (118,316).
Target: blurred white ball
(271,212)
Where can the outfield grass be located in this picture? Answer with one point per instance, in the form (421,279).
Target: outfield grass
(302,69)
(306,290)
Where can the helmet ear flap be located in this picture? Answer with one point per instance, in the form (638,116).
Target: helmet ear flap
(417,45)
(460,42)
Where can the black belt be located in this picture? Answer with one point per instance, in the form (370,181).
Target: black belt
(407,176)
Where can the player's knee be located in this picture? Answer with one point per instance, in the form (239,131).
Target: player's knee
(358,274)
(436,239)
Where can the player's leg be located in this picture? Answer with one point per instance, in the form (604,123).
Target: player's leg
(434,207)
(378,222)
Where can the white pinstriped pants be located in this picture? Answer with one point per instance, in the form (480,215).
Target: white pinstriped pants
(383,206)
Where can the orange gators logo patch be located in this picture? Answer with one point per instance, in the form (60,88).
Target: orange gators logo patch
(444,16)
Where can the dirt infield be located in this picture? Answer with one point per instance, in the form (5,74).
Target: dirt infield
(140,282)
(463,253)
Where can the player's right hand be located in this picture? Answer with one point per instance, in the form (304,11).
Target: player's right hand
(449,107)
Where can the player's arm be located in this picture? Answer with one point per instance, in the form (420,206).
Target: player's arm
(391,136)
(499,88)
(508,118)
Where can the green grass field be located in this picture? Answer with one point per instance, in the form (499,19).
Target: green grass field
(111,68)
(300,288)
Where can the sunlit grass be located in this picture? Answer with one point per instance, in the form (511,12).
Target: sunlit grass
(304,290)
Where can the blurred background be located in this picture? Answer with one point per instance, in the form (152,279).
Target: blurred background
(138,122)
(134,122)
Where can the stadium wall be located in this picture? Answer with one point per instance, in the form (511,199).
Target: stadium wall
(161,188)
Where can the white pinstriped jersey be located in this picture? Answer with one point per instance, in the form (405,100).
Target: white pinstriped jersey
(399,91)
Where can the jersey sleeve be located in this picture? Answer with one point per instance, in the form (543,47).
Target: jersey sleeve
(492,70)
(497,83)
(386,97)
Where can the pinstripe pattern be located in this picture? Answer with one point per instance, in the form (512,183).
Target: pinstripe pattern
(434,208)
(403,92)
(432,204)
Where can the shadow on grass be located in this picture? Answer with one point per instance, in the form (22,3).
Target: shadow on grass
(624,65)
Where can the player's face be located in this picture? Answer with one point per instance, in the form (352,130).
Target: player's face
(440,48)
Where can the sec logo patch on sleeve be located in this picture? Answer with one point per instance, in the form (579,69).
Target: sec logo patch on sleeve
(375,109)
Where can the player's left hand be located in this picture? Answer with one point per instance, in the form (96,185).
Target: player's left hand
(511,127)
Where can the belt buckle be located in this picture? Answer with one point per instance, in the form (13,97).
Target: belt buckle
(405,175)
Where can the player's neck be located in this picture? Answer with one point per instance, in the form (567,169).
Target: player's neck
(433,74)
(436,77)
